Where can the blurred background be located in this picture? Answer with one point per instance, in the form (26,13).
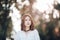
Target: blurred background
(46,15)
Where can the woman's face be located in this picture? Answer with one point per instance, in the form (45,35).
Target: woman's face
(27,21)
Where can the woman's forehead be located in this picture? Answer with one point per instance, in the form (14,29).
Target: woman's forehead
(27,17)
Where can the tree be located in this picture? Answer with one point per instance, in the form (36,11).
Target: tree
(4,12)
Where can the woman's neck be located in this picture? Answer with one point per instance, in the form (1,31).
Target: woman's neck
(27,28)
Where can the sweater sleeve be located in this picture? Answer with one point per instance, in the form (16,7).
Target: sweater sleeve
(36,35)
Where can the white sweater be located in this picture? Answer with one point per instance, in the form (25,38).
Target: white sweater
(30,35)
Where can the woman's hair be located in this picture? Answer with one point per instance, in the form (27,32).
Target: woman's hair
(23,27)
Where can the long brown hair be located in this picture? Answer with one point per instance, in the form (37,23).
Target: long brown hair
(23,27)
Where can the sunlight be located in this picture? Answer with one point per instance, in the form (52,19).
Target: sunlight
(15,17)
(56,14)
(58,1)
(43,5)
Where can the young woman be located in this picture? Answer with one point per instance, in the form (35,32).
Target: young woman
(27,30)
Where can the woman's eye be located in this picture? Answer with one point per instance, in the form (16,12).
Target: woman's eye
(26,20)
(29,20)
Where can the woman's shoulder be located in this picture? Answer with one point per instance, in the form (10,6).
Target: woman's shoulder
(35,31)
